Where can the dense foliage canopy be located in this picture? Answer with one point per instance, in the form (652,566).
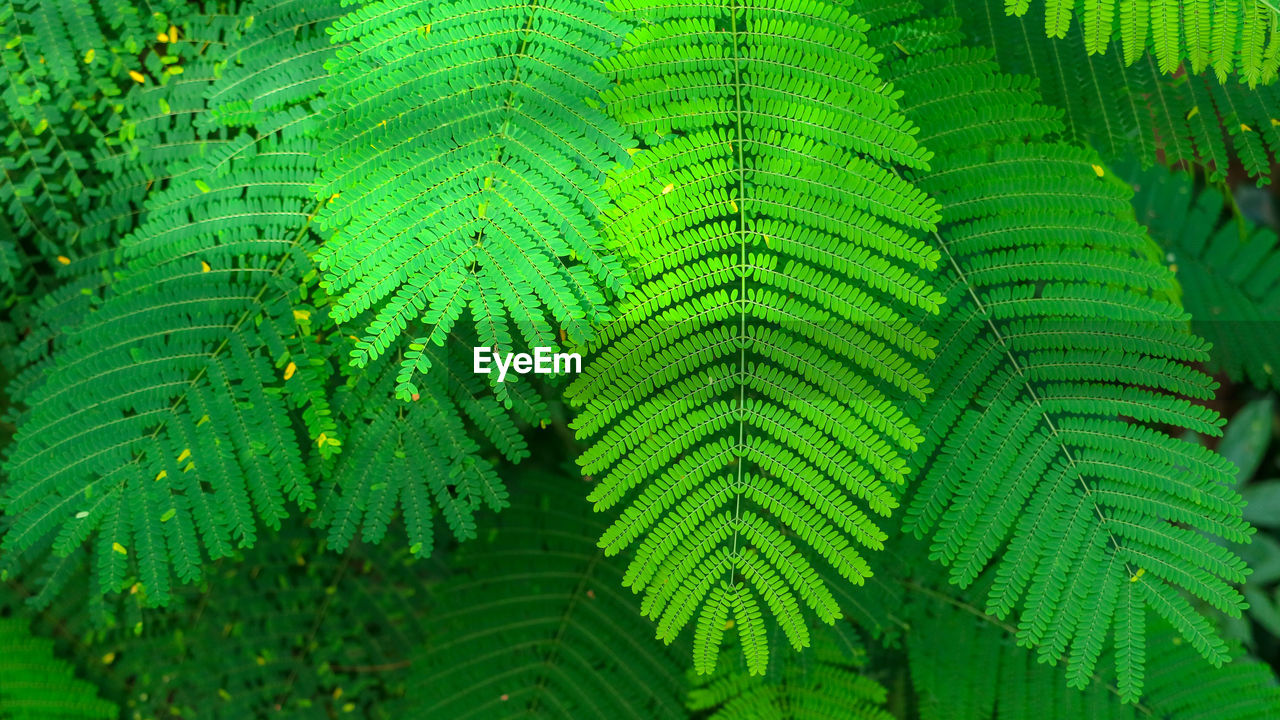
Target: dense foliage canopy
(928,355)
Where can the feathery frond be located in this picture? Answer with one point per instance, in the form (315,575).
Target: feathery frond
(746,400)
(1060,356)
(461,161)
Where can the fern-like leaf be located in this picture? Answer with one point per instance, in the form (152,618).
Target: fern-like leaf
(461,161)
(1059,349)
(745,402)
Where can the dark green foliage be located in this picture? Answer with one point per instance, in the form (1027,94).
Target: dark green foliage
(967,666)
(461,163)
(64,68)
(533,623)
(35,685)
(1228,35)
(163,391)
(1229,271)
(1124,106)
(286,630)
(751,386)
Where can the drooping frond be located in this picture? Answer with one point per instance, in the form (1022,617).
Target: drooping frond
(1238,36)
(461,159)
(746,401)
(533,623)
(1229,271)
(37,685)
(1060,357)
(419,456)
(1127,109)
(828,681)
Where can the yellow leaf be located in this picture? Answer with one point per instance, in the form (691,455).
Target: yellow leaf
(64,260)
(175,70)
(162,475)
(1195,110)
(1275,122)
(89,55)
(261,660)
(734,204)
(728,625)
(321,440)
(222,693)
(163,37)
(137,76)
(203,419)
(349,707)
(119,548)
(1136,576)
(204,267)
(1245,128)
(632,151)
(301,315)
(1097,170)
(173,33)
(668,188)
(289,370)
(108,658)
(337,693)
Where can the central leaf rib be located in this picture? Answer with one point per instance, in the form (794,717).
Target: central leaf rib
(745,403)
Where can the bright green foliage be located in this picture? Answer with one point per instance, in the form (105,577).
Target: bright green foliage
(1229,272)
(1228,35)
(747,399)
(1125,109)
(461,164)
(532,623)
(828,682)
(1059,351)
(35,685)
